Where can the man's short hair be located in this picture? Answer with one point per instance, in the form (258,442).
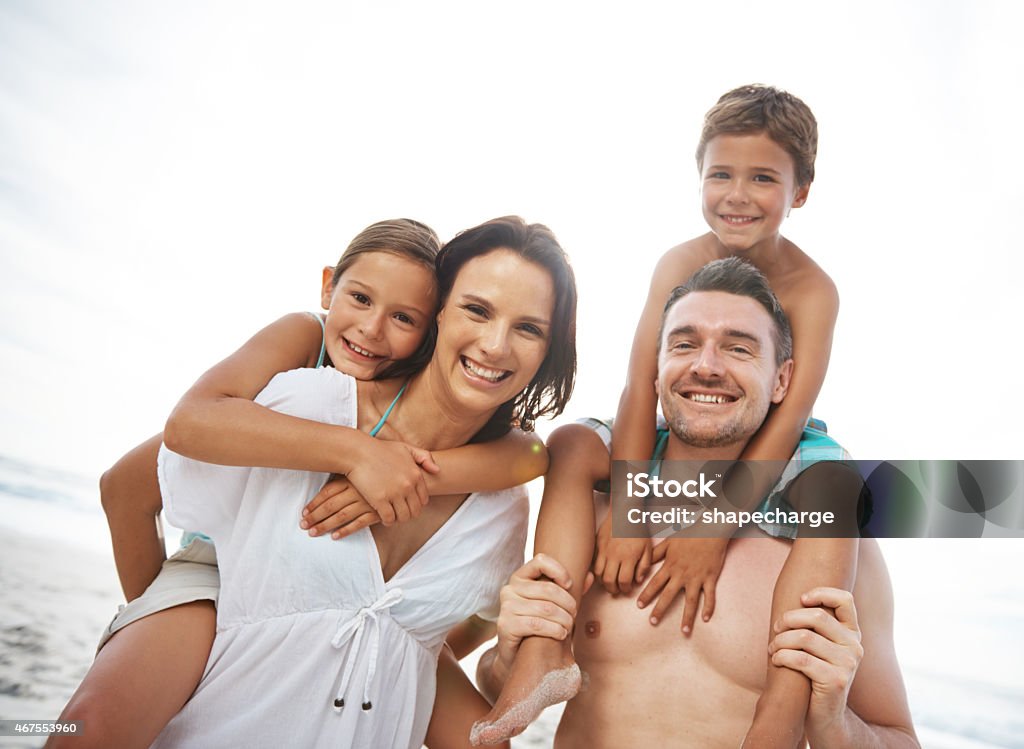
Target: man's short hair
(753,109)
(735,276)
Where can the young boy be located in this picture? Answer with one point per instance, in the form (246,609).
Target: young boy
(756,161)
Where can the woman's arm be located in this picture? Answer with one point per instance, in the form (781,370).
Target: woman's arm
(131,501)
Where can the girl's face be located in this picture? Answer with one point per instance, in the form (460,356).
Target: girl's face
(494,329)
(378,312)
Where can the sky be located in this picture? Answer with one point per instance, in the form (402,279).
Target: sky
(173,177)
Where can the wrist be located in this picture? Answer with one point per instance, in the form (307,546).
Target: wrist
(351,450)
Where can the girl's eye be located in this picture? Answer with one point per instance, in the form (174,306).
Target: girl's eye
(360,298)
(403,318)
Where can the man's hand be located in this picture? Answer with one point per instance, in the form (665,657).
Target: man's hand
(692,565)
(389,476)
(535,602)
(620,562)
(337,509)
(824,648)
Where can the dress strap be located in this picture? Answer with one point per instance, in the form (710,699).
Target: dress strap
(323,338)
(387,413)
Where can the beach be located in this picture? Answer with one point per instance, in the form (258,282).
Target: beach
(957,630)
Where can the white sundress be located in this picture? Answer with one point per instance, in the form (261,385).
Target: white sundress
(308,632)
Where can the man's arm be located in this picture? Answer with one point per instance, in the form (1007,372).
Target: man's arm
(857,696)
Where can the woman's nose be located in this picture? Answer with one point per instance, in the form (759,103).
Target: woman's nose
(496,343)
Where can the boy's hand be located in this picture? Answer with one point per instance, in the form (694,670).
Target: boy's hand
(691,564)
(619,562)
(337,509)
(389,476)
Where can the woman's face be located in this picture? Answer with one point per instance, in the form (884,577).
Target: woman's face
(494,329)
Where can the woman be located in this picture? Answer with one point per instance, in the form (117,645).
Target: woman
(505,354)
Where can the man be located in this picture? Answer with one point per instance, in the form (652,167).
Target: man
(651,686)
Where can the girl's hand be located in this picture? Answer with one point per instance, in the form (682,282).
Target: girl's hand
(389,476)
(619,562)
(337,509)
(691,564)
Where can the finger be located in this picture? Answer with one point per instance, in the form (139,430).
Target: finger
(413,505)
(710,586)
(814,644)
(588,583)
(518,627)
(422,494)
(387,513)
(840,601)
(820,621)
(644,565)
(625,576)
(401,509)
(668,594)
(339,518)
(324,511)
(658,552)
(690,601)
(330,489)
(539,609)
(424,460)
(543,565)
(611,577)
(538,590)
(651,590)
(353,526)
(599,564)
(815,669)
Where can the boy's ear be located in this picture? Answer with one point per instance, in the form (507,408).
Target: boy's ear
(327,287)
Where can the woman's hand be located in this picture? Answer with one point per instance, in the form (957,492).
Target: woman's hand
(389,476)
(337,509)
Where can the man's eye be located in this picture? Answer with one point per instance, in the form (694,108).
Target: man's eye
(740,350)
(682,346)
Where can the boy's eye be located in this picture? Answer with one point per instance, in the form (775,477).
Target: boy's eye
(764,178)
(718,175)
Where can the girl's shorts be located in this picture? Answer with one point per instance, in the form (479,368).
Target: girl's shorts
(190,574)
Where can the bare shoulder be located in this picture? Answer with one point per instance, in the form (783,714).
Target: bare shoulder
(685,259)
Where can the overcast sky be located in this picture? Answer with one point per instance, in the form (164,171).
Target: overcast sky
(174,176)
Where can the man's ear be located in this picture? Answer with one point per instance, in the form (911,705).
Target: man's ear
(782,379)
(327,287)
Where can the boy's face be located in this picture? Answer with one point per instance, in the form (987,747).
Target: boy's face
(748,185)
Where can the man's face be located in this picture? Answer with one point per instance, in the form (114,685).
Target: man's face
(717,375)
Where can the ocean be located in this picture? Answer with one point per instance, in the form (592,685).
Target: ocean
(959,609)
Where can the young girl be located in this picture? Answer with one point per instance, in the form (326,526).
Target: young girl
(381,299)
(756,159)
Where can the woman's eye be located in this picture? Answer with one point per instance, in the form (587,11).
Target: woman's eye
(475,309)
(532,330)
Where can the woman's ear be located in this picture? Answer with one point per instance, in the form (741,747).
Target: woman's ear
(327,287)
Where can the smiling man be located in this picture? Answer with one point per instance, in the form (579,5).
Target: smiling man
(724,359)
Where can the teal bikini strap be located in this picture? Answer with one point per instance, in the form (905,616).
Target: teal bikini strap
(323,339)
(387,413)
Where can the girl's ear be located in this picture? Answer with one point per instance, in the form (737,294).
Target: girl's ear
(327,287)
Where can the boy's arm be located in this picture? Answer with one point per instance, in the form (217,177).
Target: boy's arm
(130,496)
(515,459)
(216,421)
(813,320)
(619,562)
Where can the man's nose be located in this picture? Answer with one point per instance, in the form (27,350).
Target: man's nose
(708,362)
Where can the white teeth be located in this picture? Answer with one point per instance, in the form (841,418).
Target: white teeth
(738,219)
(492,375)
(361,350)
(705,398)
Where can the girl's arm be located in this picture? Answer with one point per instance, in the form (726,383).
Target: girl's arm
(131,501)
(216,421)
(514,459)
(620,562)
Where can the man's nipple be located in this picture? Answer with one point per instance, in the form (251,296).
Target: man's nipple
(592,629)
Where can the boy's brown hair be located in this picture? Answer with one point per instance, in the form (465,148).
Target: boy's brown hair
(757,108)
